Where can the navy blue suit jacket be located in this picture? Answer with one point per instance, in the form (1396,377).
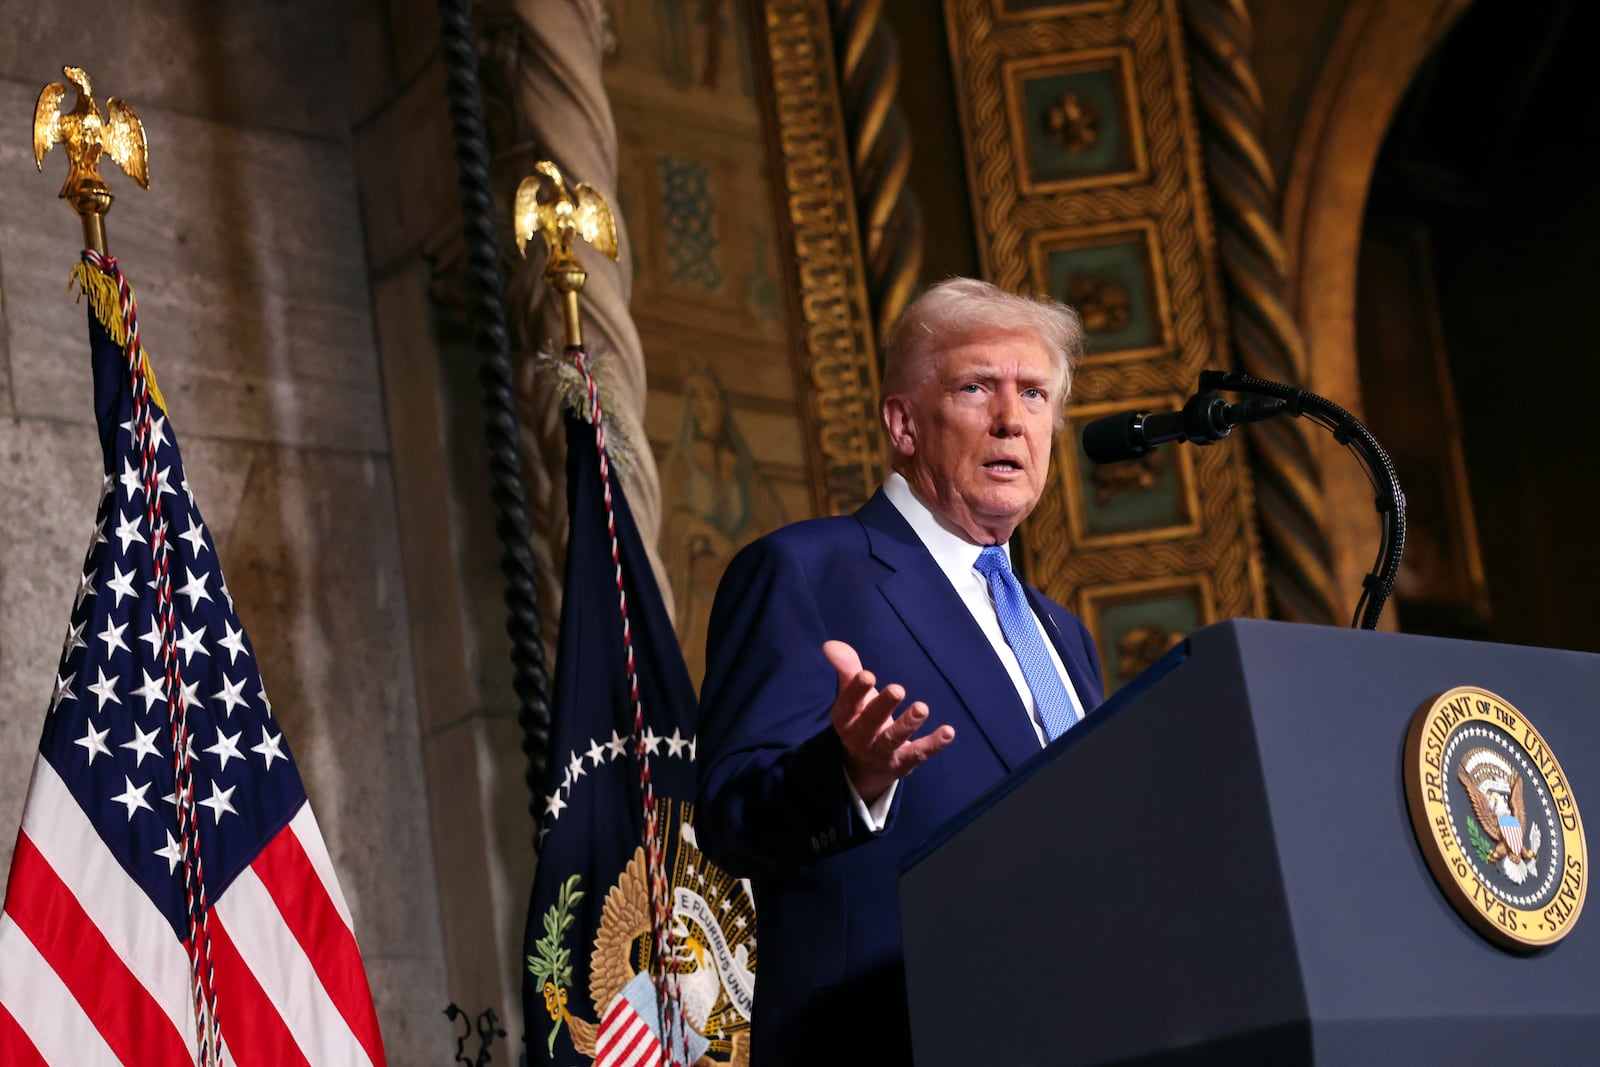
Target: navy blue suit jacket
(774,803)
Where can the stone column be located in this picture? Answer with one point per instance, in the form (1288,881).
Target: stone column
(546,64)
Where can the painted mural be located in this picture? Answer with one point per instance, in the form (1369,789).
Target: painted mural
(722,413)
(716,499)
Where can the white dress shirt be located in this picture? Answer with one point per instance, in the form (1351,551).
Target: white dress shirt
(957,558)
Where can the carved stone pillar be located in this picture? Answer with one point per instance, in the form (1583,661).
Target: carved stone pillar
(1266,338)
(543,89)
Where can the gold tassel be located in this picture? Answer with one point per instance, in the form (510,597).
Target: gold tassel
(107,305)
(623,432)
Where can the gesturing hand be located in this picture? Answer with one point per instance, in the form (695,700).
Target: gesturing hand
(878,749)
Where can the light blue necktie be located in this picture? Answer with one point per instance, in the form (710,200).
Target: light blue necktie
(1021,631)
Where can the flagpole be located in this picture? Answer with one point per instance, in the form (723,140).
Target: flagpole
(110,930)
(580,211)
(91,206)
(89,135)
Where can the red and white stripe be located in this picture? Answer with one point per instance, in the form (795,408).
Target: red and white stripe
(91,973)
(625,1038)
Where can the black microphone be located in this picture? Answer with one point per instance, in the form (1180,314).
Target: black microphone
(1206,418)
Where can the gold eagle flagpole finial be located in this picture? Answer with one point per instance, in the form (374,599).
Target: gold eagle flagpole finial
(580,211)
(88,135)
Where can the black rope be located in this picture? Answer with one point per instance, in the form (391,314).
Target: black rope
(459,42)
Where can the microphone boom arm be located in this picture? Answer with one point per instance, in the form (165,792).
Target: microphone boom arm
(1348,431)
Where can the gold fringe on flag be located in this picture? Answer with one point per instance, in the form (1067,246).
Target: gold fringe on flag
(623,433)
(103,298)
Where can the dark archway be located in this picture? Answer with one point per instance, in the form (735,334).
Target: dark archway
(1476,338)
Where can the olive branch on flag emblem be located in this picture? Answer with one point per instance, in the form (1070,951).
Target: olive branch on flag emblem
(553,964)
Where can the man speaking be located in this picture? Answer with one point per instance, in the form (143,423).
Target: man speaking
(845,653)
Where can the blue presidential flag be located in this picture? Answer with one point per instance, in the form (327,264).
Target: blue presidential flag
(170,898)
(638,951)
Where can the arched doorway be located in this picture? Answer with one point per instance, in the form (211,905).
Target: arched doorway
(1379,46)
(1474,336)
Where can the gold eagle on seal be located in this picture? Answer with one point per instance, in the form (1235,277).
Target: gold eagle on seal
(1496,792)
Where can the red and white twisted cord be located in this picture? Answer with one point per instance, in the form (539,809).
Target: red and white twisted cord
(201,975)
(665,973)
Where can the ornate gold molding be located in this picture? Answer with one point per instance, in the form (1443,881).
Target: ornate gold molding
(834,338)
(1050,222)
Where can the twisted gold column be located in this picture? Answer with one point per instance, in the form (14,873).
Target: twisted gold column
(887,212)
(1267,342)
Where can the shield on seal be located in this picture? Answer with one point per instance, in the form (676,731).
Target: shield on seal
(1511,830)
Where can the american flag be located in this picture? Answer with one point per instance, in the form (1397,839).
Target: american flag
(104,959)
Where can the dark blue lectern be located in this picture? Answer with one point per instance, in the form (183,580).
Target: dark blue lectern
(1219,867)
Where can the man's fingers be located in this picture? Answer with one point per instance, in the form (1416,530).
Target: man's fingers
(879,710)
(862,723)
(913,753)
(845,660)
(855,685)
(908,723)
(876,741)
(855,692)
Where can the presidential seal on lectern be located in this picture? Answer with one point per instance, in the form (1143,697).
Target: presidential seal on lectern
(1496,818)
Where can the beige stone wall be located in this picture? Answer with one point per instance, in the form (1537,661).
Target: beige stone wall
(473,764)
(248,259)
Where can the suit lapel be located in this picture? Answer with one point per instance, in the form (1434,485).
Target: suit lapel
(940,623)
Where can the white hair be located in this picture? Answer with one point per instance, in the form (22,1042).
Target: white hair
(959,308)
